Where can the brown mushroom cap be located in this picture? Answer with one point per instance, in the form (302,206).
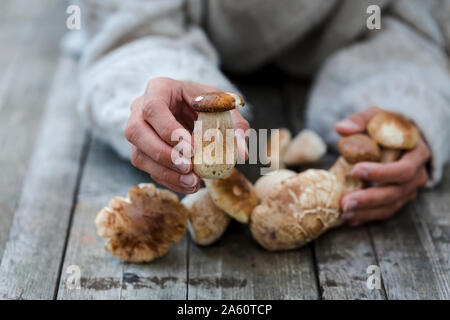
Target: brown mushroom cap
(359,147)
(235,195)
(142,227)
(392,130)
(217,101)
(207,222)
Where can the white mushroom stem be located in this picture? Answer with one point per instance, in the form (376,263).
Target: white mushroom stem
(214,145)
(390,155)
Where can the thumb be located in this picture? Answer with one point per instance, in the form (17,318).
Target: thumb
(357,122)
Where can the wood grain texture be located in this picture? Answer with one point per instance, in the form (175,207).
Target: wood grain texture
(102,275)
(29,34)
(343,256)
(31,260)
(413,247)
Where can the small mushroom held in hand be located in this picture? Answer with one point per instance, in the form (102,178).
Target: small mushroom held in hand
(394,133)
(359,147)
(143,226)
(207,222)
(215,151)
(265,184)
(235,195)
(298,210)
(307,147)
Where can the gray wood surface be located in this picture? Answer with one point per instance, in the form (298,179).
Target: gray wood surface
(29,36)
(413,247)
(33,253)
(55,177)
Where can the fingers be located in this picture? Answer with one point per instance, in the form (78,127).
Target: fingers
(357,122)
(183,183)
(161,98)
(380,195)
(240,126)
(379,213)
(400,171)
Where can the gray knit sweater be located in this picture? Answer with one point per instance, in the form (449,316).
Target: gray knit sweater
(403,67)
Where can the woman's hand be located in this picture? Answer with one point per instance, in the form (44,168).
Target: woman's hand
(163,108)
(395,183)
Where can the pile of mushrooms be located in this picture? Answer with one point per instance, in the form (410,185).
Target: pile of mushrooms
(143,226)
(304,206)
(285,210)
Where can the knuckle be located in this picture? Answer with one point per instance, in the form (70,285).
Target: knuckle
(131,132)
(159,81)
(135,103)
(408,173)
(137,158)
(148,111)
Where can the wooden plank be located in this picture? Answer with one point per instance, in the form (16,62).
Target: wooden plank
(413,247)
(30,33)
(102,275)
(343,256)
(236,267)
(31,261)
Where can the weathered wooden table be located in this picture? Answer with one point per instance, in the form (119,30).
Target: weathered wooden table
(55,176)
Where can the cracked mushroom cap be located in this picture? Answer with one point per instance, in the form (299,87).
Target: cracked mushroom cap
(393,131)
(307,147)
(265,184)
(142,227)
(207,222)
(359,147)
(298,210)
(235,195)
(217,101)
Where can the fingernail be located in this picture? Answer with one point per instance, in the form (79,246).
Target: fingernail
(350,205)
(347,215)
(360,172)
(184,167)
(348,124)
(188,180)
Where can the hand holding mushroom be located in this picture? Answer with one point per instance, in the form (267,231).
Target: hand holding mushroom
(165,108)
(395,183)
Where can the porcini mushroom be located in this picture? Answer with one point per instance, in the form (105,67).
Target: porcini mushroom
(214,151)
(207,222)
(298,210)
(143,226)
(235,195)
(394,133)
(307,147)
(358,147)
(264,185)
(276,148)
